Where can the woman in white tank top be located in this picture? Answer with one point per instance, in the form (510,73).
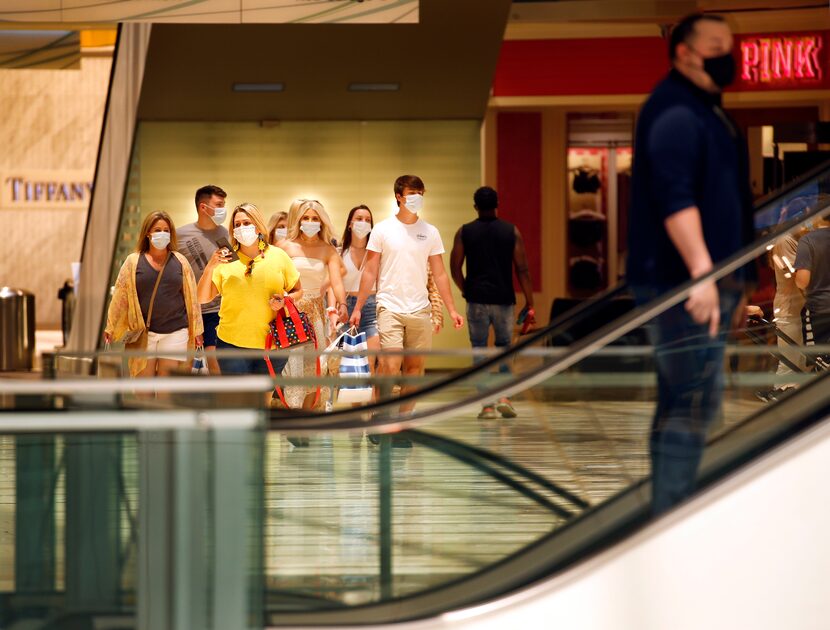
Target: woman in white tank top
(308,243)
(355,238)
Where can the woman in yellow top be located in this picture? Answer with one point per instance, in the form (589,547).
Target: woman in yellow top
(252,289)
(168,302)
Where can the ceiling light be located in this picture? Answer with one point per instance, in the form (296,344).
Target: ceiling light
(258,87)
(374,87)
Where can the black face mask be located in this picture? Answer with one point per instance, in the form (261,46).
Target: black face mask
(721,69)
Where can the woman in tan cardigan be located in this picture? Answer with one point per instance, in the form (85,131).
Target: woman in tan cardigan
(154,307)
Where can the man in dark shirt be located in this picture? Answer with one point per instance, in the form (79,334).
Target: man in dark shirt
(691,208)
(812,275)
(492,248)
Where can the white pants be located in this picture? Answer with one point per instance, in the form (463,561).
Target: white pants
(174,343)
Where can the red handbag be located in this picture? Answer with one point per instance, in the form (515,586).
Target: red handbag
(290,328)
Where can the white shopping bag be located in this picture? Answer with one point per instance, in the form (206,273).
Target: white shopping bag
(200,363)
(354,366)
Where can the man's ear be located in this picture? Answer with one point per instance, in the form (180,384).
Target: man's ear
(682,52)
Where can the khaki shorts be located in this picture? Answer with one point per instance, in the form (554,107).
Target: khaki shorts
(405,330)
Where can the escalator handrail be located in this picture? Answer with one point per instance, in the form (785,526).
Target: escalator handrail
(350,419)
(592,531)
(786,189)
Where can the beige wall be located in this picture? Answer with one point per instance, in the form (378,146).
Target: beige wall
(51,122)
(342,164)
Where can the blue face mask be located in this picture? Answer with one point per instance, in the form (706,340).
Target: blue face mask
(160,240)
(219,215)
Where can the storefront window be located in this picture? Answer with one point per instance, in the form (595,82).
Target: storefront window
(599,170)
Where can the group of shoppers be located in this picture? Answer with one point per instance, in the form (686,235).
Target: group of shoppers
(801,306)
(204,285)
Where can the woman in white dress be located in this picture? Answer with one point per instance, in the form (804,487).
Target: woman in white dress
(309,246)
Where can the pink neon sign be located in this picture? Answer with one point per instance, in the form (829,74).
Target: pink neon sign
(770,60)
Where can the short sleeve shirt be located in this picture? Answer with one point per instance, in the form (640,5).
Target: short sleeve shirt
(198,245)
(788,297)
(814,255)
(404,255)
(245,312)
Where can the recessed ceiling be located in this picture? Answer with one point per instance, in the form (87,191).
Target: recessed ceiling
(442,67)
(213,11)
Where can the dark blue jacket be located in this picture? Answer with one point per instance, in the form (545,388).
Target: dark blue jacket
(687,152)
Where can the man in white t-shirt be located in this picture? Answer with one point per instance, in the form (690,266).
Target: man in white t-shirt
(398,253)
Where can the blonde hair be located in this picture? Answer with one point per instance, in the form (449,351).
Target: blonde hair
(272,224)
(256,218)
(296,212)
(143,244)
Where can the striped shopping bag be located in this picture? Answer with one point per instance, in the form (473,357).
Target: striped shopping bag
(354,365)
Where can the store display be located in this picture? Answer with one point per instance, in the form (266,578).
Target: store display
(585,273)
(586,228)
(599,167)
(586,181)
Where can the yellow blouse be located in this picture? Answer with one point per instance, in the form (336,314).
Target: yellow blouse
(124,313)
(246,312)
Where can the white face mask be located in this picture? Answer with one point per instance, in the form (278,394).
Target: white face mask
(310,228)
(281,233)
(414,203)
(160,240)
(361,228)
(219,215)
(246,234)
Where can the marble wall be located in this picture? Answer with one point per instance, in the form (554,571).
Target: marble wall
(51,122)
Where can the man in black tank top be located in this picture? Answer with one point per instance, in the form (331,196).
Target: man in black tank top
(492,249)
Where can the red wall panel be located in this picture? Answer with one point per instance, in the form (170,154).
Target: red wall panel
(633,65)
(519,141)
(555,67)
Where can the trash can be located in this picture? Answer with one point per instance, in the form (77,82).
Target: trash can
(66,294)
(17,330)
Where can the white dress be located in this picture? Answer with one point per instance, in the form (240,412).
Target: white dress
(313,274)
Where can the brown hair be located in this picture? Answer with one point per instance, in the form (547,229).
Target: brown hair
(143,244)
(206,192)
(347,233)
(408,181)
(684,31)
(272,225)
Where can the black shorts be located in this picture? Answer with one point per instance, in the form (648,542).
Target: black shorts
(210,321)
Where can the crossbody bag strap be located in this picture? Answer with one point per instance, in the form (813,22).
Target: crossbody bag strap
(155,289)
